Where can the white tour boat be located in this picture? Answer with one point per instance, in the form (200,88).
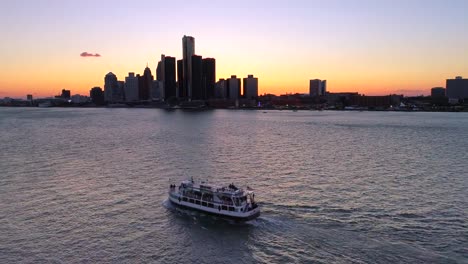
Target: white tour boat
(227,202)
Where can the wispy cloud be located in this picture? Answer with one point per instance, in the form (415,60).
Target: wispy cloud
(87,54)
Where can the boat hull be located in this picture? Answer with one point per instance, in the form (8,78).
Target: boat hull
(254,213)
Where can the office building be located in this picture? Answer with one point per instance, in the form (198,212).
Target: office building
(65,94)
(221,89)
(112,91)
(188,50)
(79,99)
(198,92)
(457,88)
(233,87)
(131,88)
(166,73)
(157,90)
(209,77)
(438,92)
(144,84)
(97,95)
(317,87)
(250,85)
(181,92)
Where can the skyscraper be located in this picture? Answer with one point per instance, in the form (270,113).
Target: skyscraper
(198,92)
(131,88)
(188,50)
(166,73)
(112,91)
(144,84)
(181,92)
(317,87)
(250,87)
(209,77)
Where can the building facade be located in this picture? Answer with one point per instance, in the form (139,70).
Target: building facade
(65,94)
(188,50)
(317,87)
(233,87)
(221,89)
(457,88)
(181,92)
(112,91)
(97,95)
(131,88)
(209,77)
(250,85)
(166,73)
(438,92)
(198,92)
(144,84)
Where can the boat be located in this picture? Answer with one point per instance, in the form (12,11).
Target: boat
(229,202)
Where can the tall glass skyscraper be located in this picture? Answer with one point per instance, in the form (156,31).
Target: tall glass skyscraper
(188,50)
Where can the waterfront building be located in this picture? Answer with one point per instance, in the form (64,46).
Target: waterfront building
(457,88)
(29,97)
(317,87)
(144,84)
(250,85)
(131,88)
(438,92)
(181,92)
(209,77)
(97,95)
(382,102)
(157,90)
(221,89)
(112,91)
(198,92)
(233,87)
(65,94)
(188,50)
(166,73)
(79,99)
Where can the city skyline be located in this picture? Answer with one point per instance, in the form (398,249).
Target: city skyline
(371,48)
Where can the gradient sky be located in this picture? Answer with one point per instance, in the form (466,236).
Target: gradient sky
(369,46)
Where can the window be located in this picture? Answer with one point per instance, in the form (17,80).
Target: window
(184,199)
(203,203)
(210,205)
(197,202)
(231,209)
(224,207)
(191,201)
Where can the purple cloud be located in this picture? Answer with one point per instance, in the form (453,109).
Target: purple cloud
(87,54)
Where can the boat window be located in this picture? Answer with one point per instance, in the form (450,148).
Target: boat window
(197,202)
(191,201)
(210,205)
(203,203)
(231,208)
(224,207)
(184,199)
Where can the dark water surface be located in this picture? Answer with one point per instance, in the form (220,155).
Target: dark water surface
(89,185)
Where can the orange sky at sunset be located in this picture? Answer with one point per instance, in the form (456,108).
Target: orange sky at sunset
(370,48)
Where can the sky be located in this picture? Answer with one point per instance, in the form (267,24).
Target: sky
(366,46)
